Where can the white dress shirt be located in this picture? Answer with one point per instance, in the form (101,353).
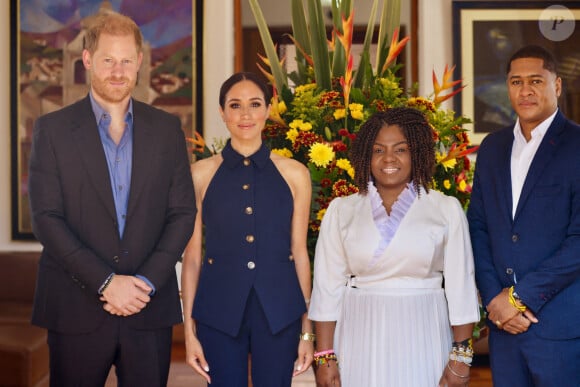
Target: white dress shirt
(523,153)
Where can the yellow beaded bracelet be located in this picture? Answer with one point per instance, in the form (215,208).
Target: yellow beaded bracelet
(514,302)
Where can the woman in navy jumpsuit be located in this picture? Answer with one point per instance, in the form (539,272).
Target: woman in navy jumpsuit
(246,272)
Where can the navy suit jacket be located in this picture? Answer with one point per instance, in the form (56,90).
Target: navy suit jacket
(539,249)
(74,216)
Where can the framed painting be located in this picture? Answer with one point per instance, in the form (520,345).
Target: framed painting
(47,71)
(486,33)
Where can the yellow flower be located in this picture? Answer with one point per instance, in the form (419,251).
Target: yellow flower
(389,84)
(282,107)
(462,185)
(355,107)
(291,135)
(321,154)
(282,152)
(299,124)
(304,88)
(357,114)
(446,184)
(343,164)
(339,113)
(350,172)
(445,160)
(320,214)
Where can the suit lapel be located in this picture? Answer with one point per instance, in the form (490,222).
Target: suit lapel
(545,152)
(143,151)
(86,134)
(504,168)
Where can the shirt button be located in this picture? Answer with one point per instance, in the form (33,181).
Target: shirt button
(515,238)
(251,265)
(247,162)
(509,271)
(291,257)
(249,211)
(246,187)
(210,261)
(116,259)
(249,238)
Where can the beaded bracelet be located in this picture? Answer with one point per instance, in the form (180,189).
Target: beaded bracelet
(324,359)
(462,351)
(323,352)
(106,284)
(514,302)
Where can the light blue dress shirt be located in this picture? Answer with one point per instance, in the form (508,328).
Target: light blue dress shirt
(119,161)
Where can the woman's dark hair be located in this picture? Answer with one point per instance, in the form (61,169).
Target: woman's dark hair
(244,76)
(537,52)
(418,134)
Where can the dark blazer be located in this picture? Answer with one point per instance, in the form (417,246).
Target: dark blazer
(74,216)
(540,248)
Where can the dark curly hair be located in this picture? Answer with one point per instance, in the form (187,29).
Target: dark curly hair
(418,134)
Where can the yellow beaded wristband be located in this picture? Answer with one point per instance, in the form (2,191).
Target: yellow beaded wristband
(514,302)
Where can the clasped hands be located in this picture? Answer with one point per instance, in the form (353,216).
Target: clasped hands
(507,317)
(126,295)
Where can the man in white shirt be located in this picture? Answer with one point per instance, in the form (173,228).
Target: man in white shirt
(524,221)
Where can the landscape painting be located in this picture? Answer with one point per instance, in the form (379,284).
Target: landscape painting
(47,71)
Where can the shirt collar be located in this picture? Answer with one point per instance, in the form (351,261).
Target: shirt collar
(99,111)
(233,159)
(538,132)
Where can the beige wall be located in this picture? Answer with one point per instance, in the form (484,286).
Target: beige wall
(435,51)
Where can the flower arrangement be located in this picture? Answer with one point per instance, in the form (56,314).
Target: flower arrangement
(316,120)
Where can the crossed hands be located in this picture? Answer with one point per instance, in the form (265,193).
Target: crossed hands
(505,316)
(126,295)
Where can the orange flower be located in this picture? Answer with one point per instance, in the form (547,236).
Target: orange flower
(198,142)
(302,51)
(275,110)
(346,80)
(346,36)
(395,48)
(458,151)
(267,74)
(447,84)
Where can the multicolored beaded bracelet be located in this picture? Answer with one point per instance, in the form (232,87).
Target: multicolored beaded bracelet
(325,358)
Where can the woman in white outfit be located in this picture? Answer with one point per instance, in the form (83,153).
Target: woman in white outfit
(394,299)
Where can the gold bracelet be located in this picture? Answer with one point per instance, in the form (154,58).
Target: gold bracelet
(456,374)
(306,336)
(514,302)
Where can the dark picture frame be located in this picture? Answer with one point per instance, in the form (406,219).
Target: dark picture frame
(47,72)
(486,33)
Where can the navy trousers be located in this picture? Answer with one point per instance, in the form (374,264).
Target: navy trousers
(272,356)
(526,360)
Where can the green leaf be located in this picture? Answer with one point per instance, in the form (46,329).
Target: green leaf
(280,77)
(359,79)
(300,30)
(319,44)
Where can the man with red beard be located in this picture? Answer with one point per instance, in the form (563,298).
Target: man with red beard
(112,204)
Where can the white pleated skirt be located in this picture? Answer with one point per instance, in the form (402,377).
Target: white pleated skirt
(393,337)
